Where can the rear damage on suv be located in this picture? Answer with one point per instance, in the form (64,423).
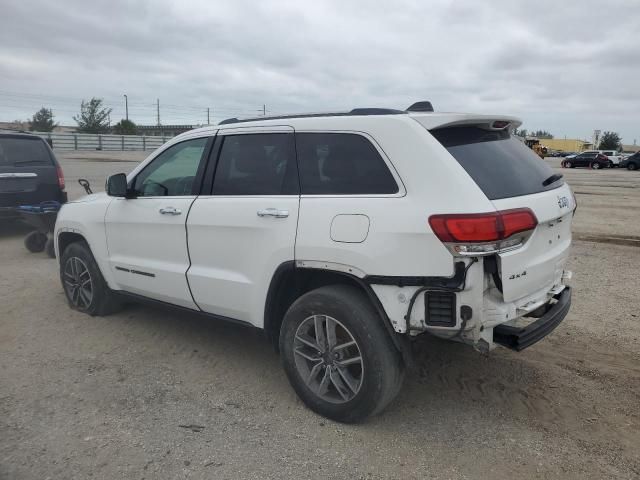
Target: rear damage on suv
(509,283)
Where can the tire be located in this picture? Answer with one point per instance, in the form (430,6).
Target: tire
(35,242)
(354,389)
(631,166)
(568,164)
(49,247)
(595,166)
(78,265)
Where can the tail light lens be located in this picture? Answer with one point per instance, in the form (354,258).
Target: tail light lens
(484,233)
(60,177)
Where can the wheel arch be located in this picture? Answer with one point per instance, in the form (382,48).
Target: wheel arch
(289,282)
(66,238)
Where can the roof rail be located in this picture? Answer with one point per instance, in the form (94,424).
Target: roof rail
(416,107)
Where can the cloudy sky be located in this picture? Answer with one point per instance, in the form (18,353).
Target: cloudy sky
(568,67)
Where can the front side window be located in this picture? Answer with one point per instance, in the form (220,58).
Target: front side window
(341,164)
(173,172)
(257,164)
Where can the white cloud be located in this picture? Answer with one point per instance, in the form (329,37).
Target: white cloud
(568,68)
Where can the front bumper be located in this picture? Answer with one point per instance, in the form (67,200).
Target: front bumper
(519,338)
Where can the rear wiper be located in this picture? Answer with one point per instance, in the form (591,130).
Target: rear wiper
(23,162)
(552,179)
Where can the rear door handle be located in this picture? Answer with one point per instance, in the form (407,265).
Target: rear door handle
(170,211)
(273,212)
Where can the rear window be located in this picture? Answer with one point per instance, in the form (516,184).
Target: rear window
(501,165)
(23,151)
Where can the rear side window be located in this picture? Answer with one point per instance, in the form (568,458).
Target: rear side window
(501,165)
(341,164)
(23,151)
(257,164)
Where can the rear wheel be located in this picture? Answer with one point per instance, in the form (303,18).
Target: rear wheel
(338,356)
(595,166)
(35,242)
(84,286)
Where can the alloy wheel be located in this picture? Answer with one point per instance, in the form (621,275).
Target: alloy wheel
(328,359)
(78,284)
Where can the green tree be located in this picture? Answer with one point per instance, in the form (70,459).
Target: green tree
(93,118)
(42,121)
(125,127)
(541,134)
(610,141)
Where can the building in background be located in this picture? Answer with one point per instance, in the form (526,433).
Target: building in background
(631,148)
(566,144)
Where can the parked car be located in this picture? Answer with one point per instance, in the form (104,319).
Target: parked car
(342,236)
(614,156)
(592,160)
(632,162)
(29,173)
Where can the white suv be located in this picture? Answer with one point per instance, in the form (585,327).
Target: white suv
(343,236)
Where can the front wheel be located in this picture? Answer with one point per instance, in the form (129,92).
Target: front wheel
(84,286)
(631,166)
(568,164)
(338,356)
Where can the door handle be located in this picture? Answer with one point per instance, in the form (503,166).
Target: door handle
(273,212)
(170,211)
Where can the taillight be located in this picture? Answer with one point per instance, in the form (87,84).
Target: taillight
(484,233)
(60,177)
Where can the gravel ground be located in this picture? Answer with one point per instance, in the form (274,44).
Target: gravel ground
(151,394)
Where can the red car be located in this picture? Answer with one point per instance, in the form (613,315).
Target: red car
(592,160)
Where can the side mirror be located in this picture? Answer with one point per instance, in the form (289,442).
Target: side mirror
(117,185)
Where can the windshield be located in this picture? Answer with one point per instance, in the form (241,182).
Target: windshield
(17,151)
(501,165)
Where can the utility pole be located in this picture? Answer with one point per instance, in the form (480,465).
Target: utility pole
(208,122)
(158,110)
(264,110)
(126,107)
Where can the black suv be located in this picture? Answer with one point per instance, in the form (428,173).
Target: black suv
(29,173)
(592,160)
(632,162)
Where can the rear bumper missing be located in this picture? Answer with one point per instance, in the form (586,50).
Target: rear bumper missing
(519,338)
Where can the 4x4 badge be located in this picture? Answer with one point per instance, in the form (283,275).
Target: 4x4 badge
(563,202)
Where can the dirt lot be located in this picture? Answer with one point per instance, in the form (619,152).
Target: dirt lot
(151,394)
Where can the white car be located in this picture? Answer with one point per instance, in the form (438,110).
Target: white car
(343,236)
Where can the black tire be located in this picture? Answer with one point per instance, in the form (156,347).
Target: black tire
(35,241)
(568,164)
(596,166)
(49,247)
(632,166)
(103,300)
(381,371)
